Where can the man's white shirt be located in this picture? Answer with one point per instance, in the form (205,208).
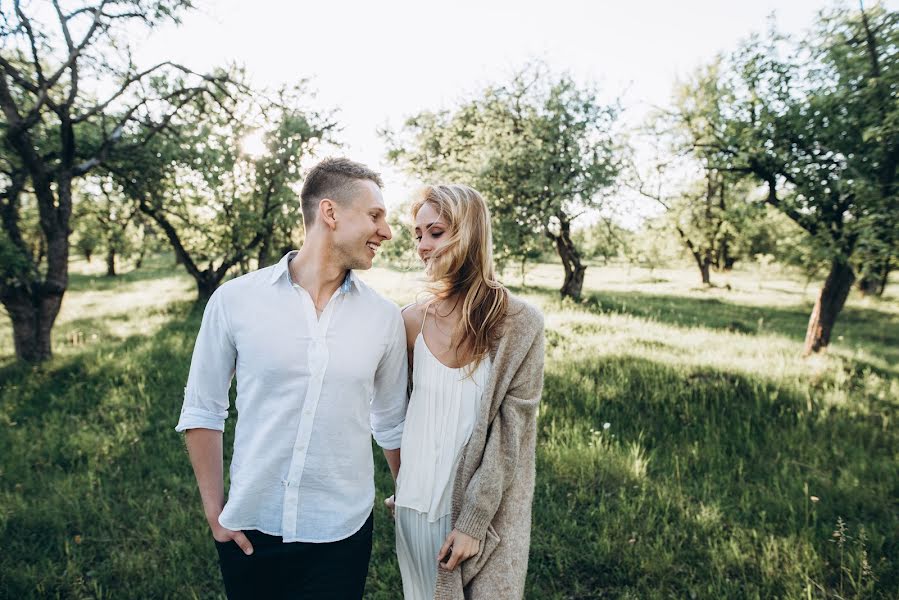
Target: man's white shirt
(309,390)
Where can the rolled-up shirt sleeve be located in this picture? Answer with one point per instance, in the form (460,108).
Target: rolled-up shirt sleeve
(211,370)
(388,404)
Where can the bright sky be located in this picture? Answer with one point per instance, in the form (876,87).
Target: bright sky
(380,62)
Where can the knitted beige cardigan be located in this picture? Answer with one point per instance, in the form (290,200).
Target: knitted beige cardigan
(494,485)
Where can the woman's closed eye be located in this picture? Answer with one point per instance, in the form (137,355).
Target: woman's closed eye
(434,234)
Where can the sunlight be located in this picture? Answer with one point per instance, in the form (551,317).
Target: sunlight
(253,144)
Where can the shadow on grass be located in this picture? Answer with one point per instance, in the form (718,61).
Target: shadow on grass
(703,491)
(703,482)
(77,384)
(96,494)
(858,326)
(156,267)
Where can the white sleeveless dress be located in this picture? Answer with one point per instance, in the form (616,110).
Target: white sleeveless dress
(442,413)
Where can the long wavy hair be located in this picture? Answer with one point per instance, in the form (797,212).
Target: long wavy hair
(463,267)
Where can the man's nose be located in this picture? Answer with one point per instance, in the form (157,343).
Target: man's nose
(385,232)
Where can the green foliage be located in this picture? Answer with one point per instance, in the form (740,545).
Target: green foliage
(654,247)
(215,202)
(56,131)
(400,251)
(539,148)
(815,122)
(604,240)
(105,220)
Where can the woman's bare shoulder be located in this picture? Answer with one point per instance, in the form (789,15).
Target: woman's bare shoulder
(412,319)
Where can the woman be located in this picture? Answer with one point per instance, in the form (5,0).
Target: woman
(466,480)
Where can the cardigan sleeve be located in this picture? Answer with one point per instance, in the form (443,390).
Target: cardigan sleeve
(503,449)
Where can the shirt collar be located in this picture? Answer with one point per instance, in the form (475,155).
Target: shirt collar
(280,270)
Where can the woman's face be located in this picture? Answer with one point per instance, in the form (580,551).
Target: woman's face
(431,231)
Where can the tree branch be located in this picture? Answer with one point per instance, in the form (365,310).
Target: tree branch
(118,130)
(26,24)
(96,109)
(76,51)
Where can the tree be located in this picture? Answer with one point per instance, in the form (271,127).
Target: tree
(877,257)
(652,247)
(708,205)
(106,219)
(819,129)
(604,240)
(701,212)
(539,148)
(216,203)
(50,58)
(400,253)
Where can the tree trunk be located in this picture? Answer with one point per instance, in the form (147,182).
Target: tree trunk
(571,261)
(703,261)
(32,316)
(873,278)
(705,271)
(262,259)
(703,258)
(828,306)
(207,283)
(33,301)
(140,257)
(729,262)
(884,278)
(727,259)
(110,262)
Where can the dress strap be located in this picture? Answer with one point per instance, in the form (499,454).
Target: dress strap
(425,316)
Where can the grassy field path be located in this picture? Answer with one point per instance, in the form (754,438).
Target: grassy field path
(686,450)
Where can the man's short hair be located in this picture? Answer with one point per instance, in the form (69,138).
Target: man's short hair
(333,178)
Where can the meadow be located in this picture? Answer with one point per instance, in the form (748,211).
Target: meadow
(686,449)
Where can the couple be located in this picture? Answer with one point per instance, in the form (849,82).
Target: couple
(322,363)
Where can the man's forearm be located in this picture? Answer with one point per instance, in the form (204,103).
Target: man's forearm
(393,461)
(205,449)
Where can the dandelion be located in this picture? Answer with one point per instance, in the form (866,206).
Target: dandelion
(814,498)
(606,425)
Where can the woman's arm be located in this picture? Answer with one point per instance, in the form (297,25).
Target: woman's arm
(502,451)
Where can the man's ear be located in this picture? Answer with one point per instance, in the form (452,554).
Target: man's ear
(327,212)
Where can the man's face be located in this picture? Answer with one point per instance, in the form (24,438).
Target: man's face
(361,226)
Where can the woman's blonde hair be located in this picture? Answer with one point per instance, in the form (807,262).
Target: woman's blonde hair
(463,266)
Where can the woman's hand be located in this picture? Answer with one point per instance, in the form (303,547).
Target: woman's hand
(390,503)
(457,547)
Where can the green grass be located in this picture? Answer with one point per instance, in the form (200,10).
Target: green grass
(726,468)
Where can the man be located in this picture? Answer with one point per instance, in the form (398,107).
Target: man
(320,361)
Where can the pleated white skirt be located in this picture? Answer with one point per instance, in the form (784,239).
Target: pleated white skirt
(417,543)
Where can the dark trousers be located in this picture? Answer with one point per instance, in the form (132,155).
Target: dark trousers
(334,570)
